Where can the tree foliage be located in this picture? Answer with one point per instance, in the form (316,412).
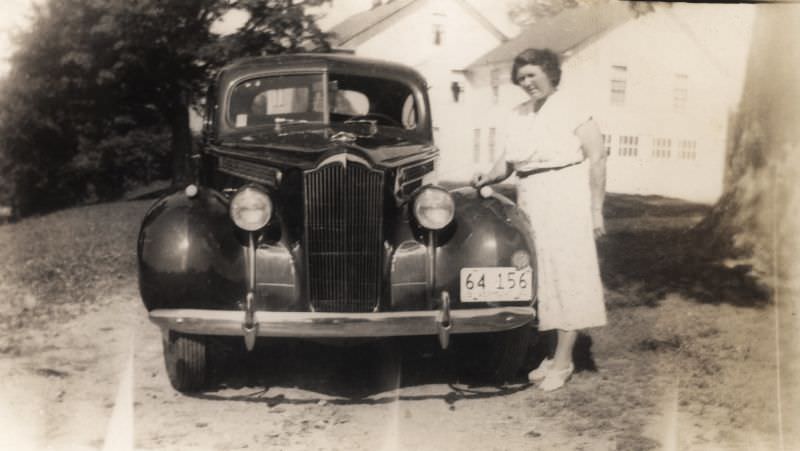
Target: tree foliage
(100,89)
(526,12)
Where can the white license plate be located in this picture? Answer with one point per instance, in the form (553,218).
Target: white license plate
(493,284)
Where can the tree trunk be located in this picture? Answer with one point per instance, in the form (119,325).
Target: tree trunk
(181,143)
(758,217)
(758,211)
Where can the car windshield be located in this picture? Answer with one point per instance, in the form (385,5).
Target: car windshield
(277,101)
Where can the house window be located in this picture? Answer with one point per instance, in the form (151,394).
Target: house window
(438,34)
(680,91)
(687,149)
(607,143)
(456,89)
(495,83)
(619,84)
(628,146)
(476,145)
(662,148)
(492,134)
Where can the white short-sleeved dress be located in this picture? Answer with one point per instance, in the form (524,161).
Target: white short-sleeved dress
(558,202)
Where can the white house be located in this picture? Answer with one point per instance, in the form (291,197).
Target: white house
(657,93)
(439,38)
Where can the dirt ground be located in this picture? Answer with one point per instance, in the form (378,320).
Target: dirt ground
(689,360)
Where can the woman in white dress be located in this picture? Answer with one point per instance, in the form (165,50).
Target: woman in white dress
(556,151)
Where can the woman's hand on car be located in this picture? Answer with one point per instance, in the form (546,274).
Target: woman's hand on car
(479,181)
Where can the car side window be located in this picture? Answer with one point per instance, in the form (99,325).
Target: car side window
(409,113)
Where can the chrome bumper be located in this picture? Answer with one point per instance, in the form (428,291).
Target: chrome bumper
(340,325)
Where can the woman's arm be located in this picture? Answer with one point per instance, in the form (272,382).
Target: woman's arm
(592,146)
(501,170)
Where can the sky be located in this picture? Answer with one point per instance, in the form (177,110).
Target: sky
(13,16)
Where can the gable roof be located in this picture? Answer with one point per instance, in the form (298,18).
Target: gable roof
(565,31)
(362,26)
(476,14)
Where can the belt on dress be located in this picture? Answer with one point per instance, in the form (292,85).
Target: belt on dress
(523,174)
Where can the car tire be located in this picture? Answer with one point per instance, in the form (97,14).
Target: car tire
(496,357)
(186,360)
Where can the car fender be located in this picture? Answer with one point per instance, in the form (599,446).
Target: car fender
(189,255)
(485,232)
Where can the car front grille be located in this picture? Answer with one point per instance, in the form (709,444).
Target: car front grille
(343,236)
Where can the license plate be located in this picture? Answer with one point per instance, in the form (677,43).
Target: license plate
(493,284)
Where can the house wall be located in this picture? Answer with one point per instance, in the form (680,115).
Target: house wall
(654,50)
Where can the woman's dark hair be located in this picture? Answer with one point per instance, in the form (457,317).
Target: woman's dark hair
(544,58)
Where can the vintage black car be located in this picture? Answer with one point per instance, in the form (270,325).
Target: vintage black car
(315,214)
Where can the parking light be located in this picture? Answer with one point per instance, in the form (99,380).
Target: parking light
(521,259)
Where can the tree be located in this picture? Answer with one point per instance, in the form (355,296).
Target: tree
(164,52)
(756,219)
(525,12)
(93,70)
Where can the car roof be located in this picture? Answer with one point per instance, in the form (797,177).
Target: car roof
(323,61)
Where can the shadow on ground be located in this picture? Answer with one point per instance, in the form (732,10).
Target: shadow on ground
(663,254)
(642,268)
(367,373)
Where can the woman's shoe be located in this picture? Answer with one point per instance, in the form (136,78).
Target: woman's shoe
(556,379)
(540,372)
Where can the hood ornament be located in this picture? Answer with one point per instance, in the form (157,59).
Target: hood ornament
(344,137)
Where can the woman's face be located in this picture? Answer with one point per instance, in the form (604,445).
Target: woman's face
(534,81)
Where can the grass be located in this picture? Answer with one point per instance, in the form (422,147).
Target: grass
(67,260)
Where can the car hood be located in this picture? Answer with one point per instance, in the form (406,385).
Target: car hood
(304,152)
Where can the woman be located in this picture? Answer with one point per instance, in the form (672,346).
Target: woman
(556,151)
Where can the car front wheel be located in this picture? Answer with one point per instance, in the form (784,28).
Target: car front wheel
(186,360)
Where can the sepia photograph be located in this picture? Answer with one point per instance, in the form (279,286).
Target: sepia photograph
(396,225)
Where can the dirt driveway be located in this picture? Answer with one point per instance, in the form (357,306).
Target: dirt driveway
(687,361)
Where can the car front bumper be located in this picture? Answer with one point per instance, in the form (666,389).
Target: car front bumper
(341,325)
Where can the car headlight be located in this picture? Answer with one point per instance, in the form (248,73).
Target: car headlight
(434,208)
(251,208)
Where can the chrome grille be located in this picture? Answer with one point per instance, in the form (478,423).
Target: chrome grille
(410,178)
(255,172)
(343,236)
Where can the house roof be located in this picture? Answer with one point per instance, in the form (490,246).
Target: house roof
(565,31)
(362,26)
